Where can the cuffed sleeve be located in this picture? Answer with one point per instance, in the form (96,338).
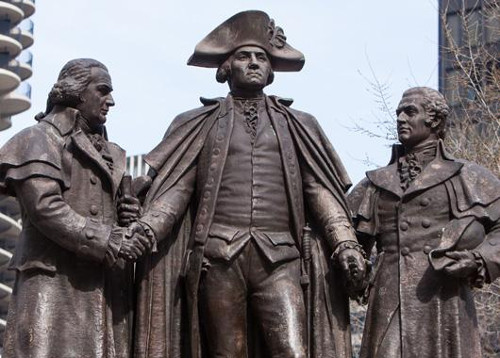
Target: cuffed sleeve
(169,207)
(329,215)
(114,245)
(42,201)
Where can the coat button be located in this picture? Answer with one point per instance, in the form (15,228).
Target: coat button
(90,234)
(427,249)
(94,210)
(425,201)
(405,251)
(426,223)
(93,179)
(404,226)
(216,152)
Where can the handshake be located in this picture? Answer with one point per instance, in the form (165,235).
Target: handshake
(137,239)
(137,242)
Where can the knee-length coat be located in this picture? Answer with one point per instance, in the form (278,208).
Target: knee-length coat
(451,205)
(71,298)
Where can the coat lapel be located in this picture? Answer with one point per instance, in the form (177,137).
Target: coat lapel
(290,166)
(83,144)
(120,165)
(387,178)
(437,171)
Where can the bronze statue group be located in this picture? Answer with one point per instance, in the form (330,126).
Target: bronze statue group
(242,241)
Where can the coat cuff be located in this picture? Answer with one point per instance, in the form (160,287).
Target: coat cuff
(94,240)
(161,223)
(114,244)
(338,232)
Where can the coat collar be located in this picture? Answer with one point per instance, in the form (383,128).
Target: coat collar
(437,171)
(64,120)
(83,144)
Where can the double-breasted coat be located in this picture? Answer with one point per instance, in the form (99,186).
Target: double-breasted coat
(72,294)
(451,205)
(195,147)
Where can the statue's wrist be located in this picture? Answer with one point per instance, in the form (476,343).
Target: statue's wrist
(345,245)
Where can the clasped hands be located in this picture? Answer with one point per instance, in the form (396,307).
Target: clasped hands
(138,240)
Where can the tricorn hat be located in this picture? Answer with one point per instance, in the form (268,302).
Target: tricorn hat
(247,28)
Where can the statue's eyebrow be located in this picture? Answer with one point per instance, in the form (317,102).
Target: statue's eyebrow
(406,108)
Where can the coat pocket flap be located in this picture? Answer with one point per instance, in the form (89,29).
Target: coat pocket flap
(280,238)
(223,232)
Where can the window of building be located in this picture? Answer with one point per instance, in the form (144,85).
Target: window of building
(473,28)
(492,25)
(454,24)
(452,87)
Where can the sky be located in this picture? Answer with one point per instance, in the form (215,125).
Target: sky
(145,44)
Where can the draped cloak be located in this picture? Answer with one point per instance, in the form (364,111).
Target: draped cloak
(167,322)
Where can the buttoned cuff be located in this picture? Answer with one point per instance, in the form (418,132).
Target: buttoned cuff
(94,240)
(114,245)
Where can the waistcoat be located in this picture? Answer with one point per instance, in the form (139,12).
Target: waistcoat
(252,192)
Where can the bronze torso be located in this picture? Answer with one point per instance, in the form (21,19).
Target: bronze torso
(252,201)
(413,309)
(66,301)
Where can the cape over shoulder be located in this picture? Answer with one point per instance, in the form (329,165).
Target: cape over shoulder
(184,118)
(35,151)
(184,129)
(38,143)
(284,105)
(475,185)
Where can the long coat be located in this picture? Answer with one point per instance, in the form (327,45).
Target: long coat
(69,299)
(449,206)
(194,150)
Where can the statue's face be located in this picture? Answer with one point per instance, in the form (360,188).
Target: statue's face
(96,99)
(414,124)
(250,69)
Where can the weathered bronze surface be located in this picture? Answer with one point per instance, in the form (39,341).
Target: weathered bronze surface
(235,183)
(73,291)
(435,223)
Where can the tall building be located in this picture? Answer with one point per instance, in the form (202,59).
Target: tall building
(469,77)
(16,35)
(469,48)
(136,165)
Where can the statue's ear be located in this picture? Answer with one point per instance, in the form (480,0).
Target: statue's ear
(433,122)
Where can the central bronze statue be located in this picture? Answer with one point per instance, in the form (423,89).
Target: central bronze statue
(236,271)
